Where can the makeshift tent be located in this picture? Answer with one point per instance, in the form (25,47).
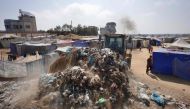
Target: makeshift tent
(164,62)
(181,69)
(166,39)
(80,43)
(22,49)
(134,43)
(90,38)
(63,43)
(155,41)
(180,43)
(64,49)
(7,39)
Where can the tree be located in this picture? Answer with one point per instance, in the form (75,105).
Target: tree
(57,28)
(79,30)
(50,30)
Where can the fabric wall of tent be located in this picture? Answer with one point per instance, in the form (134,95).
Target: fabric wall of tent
(164,62)
(13,47)
(8,38)
(155,42)
(181,69)
(80,43)
(41,48)
(22,49)
(134,43)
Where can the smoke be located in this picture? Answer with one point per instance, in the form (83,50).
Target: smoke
(128,25)
(26,93)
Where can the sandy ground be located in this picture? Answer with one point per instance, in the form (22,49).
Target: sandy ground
(168,85)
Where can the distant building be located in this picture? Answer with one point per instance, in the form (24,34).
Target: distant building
(26,23)
(109,28)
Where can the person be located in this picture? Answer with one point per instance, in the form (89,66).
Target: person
(139,45)
(149,64)
(150,49)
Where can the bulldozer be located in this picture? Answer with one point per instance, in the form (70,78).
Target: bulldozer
(117,43)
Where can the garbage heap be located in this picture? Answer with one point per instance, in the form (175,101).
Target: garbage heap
(100,80)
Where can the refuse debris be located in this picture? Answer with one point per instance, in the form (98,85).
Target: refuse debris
(158,99)
(142,93)
(89,78)
(104,79)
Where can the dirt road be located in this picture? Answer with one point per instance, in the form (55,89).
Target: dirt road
(168,85)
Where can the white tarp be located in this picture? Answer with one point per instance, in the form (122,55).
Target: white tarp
(180,43)
(64,49)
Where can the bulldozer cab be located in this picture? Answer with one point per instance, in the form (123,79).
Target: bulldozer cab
(115,42)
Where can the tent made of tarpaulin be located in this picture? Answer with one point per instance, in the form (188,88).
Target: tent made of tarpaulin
(181,69)
(31,48)
(166,39)
(90,38)
(64,49)
(155,41)
(63,43)
(180,43)
(163,60)
(80,43)
(134,43)
(13,47)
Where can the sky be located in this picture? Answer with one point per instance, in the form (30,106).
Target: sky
(149,16)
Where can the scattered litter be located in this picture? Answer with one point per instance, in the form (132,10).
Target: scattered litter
(158,99)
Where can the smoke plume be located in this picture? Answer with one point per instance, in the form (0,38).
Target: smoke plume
(128,25)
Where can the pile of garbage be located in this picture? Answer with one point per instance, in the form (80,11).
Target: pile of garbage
(102,79)
(99,79)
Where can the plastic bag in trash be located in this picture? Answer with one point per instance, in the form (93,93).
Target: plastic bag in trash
(158,99)
(101,101)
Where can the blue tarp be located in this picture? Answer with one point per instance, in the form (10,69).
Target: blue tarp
(13,48)
(163,60)
(80,43)
(155,42)
(181,69)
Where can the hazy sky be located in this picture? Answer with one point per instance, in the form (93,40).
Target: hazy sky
(150,16)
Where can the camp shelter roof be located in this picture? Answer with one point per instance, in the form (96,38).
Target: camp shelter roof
(155,38)
(164,50)
(37,44)
(180,43)
(64,49)
(9,36)
(90,38)
(64,41)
